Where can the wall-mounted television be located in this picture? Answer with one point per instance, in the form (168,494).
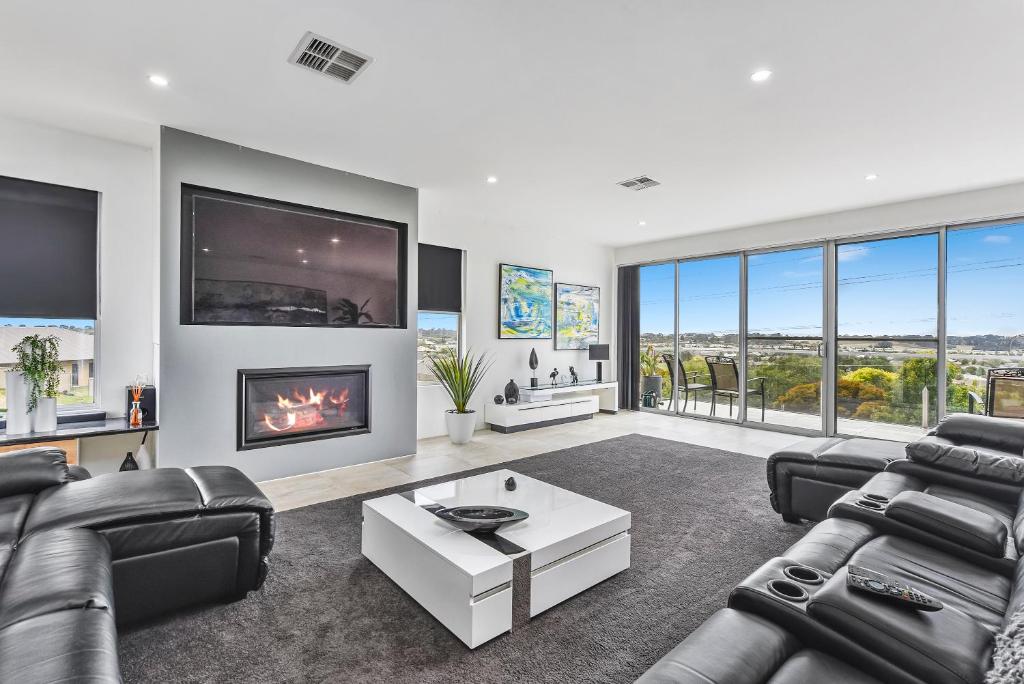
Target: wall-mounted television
(255,261)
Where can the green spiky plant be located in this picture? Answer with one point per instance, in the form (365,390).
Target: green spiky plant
(39,361)
(460,376)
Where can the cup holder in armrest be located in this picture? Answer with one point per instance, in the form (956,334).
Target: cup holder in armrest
(787,590)
(803,574)
(869,504)
(876,497)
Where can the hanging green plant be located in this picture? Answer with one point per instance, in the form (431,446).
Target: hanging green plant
(39,361)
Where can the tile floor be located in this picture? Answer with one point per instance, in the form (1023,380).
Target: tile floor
(437,456)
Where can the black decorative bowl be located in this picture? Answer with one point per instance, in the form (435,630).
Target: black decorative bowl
(480,518)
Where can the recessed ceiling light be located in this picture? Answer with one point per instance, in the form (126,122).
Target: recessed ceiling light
(871,177)
(643,223)
(206,249)
(158,80)
(300,250)
(761,76)
(335,240)
(492,179)
(305,261)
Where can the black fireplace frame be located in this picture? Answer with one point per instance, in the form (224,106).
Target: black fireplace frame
(271,373)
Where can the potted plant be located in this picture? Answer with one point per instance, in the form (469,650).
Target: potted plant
(649,370)
(460,376)
(38,362)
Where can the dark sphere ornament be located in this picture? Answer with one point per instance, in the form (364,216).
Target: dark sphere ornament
(498,399)
(510,484)
(512,392)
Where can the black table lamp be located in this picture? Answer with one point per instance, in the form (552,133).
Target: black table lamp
(599,353)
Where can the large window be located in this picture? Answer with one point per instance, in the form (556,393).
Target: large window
(785,343)
(985,310)
(434,331)
(657,328)
(886,319)
(709,336)
(48,279)
(77,351)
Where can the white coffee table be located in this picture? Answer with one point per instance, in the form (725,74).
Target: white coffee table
(568,544)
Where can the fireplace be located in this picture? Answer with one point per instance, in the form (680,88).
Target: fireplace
(291,405)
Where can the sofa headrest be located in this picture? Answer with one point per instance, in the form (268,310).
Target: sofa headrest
(27,471)
(1004,434)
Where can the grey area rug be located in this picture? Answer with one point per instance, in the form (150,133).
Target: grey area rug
(701,523)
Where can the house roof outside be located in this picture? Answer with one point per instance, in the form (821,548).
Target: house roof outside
(75,345)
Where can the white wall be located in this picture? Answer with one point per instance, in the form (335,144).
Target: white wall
(487,244)
(199,363)
(962,207)
(124,175)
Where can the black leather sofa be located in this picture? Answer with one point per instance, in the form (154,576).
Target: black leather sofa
(81,556)
(948,519)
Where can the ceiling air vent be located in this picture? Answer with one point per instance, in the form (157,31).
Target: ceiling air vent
(639,183)
(329,58)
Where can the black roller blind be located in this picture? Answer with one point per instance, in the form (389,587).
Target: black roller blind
(440,280)
(48,250)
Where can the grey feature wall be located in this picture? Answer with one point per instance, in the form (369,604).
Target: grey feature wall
(198,364)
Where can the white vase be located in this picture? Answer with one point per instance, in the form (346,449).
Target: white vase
(18,420)
(44,418)
(460,426)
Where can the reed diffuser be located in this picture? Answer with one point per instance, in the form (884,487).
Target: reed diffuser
(135,415)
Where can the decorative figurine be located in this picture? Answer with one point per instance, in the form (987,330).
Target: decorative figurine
(498,399)
(554,377)
(534,362)
(574,379)
(511,392)
(510,484)
(129,463)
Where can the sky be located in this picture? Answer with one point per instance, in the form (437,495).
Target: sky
(886,287)
(436,321)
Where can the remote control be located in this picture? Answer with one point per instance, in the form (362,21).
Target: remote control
(882,585)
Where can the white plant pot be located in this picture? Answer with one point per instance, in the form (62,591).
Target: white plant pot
(460,426)
(44,418)
(18,419)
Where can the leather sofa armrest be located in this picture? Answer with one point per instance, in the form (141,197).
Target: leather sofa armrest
(938,452)
(969,527)
(730,647)
(1003,434)
(227,488)
(27,471)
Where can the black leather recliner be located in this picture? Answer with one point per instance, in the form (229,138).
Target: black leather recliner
(80,556)
(948,520)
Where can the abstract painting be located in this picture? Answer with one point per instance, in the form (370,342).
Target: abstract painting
(577,315)
(525,303)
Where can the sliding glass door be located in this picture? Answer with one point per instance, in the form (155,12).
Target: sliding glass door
(887,294)
(657,331)
(707,374)
(985,316)
(877,337)
(785,337)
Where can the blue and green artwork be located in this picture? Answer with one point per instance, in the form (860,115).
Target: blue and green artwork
(525,295)
(577,314)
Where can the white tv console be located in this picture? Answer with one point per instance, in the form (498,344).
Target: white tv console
(553,404)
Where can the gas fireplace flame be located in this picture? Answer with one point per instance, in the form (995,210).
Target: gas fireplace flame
(305,411)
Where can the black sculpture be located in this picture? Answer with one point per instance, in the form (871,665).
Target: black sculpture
(511,392)
(534,362)
(572,374)
(510,484)
(129,463)
(498,399)
(554,377)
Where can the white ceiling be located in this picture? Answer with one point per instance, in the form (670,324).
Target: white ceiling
(561,99)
